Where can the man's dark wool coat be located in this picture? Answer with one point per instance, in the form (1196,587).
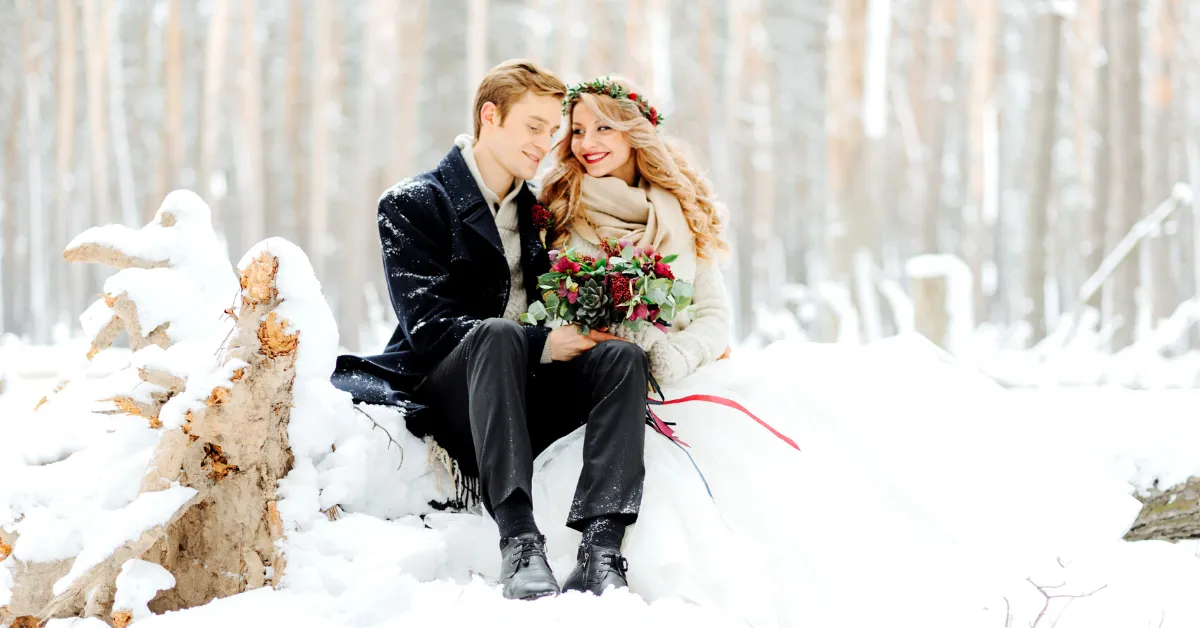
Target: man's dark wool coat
(446,272)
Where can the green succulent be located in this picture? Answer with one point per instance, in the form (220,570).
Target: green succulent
(594,306)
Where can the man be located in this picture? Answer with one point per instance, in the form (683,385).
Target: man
(462,259)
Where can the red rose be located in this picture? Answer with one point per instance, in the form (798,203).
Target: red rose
(633,97)
(663,270)
(618,289)
(541,217)
(565,265)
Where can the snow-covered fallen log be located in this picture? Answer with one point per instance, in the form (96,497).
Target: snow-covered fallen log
(1171,514)
(202,410)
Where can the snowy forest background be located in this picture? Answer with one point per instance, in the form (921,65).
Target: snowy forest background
(1018,142)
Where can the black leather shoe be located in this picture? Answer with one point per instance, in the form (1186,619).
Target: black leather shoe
(598,569)
(524,571)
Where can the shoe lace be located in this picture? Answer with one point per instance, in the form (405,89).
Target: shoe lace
(527,549)
(615,562)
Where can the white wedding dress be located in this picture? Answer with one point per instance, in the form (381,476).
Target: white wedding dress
(722,551)
(905,470)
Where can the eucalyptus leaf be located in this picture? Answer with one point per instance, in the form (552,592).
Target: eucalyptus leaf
(683,289)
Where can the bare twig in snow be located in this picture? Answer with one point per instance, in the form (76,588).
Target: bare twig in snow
(1049,598)
(389,434)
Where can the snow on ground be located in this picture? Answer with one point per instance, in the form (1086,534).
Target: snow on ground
(925,495)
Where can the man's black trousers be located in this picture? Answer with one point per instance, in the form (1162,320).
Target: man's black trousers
(484,389)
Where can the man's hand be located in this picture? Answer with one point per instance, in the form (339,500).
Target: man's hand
(566,343)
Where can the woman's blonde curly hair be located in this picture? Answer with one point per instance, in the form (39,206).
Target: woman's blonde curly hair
(661,161)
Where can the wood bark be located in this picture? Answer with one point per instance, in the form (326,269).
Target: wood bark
(233,450)
(1168,514)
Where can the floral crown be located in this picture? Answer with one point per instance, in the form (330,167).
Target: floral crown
(606,87)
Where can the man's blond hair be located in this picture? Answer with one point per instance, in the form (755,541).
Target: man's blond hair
(506,83)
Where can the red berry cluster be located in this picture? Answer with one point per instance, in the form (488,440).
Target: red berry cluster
(618,289)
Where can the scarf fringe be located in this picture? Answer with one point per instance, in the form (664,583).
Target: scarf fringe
(464,488)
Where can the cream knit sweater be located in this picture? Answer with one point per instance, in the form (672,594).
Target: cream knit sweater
(694,340)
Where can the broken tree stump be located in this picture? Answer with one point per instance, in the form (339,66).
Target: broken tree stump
(221,405)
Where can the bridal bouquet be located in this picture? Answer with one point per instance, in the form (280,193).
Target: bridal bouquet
(626,286)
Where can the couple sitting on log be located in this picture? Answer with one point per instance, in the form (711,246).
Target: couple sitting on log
(474,255)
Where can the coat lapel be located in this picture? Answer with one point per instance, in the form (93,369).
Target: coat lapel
(468,201)
(534,260)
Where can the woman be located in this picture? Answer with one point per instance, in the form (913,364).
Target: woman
(617,176)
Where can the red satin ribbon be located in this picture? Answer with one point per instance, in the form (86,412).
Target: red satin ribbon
(728,403)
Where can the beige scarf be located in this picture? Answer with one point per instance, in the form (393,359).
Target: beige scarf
(647,215)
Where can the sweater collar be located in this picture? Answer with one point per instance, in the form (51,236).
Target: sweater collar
(466,145)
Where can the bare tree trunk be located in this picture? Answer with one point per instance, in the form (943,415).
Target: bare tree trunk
(1164,291)
(15,290)
(937,94)
(848,203)
(211,126)
(982,197)
(318,169)
(96,37)
(1042,134)
(602,56)
(477,36)
(1125,157)
(731,168)
(570,52)
(65,278)
(116,109)
(1189,152)
(360,219)
(251,171)
(761,171)
(1101,160)
(39,306)
(410,51)
(293,112)
(170,163)
(922,232)
(636,48)
(535,41)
